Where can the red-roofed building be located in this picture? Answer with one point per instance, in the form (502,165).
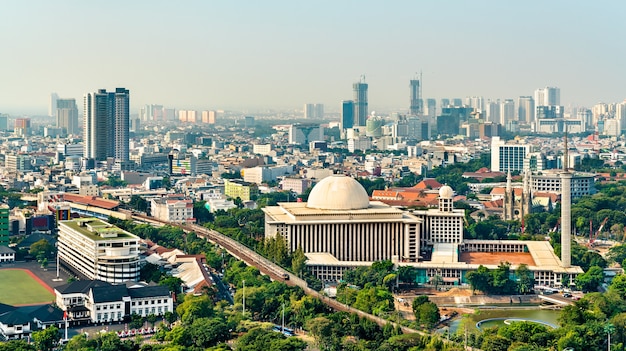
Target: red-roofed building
(428,183)
(483,173)
(91,201)
(380,195)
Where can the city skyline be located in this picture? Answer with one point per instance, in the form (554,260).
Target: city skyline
(247,55)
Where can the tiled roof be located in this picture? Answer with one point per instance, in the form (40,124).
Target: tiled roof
(112,293)
(428,183)
(47,313)
(91,201)
(149,291)
(80,286)
(14,317)
(5,250)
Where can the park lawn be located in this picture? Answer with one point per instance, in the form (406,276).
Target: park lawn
(19,288)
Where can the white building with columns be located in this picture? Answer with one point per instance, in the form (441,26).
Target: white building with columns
(339,228)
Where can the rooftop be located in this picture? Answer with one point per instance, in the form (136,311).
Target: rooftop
(96,229)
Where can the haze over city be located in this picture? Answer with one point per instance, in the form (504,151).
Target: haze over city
(281,54)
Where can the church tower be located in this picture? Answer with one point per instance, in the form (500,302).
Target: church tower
(509,200)
(526,200)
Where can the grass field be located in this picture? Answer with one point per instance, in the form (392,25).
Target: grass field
(18,287)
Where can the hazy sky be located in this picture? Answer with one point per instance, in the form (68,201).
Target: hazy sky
(282,54)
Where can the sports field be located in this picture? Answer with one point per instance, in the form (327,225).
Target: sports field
(21,287)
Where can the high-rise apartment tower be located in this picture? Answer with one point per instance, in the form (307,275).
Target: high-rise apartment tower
(106,126)
(67,115)
(347,114)
(416,99)
(360,102)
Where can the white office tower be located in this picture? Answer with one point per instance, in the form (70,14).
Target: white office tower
(52,107)
(492,110)
(584,114)
(313,111)
(548,96)
(507,111)
(526,109)
(620,114)
(508,157)
(477,102)
(303,134)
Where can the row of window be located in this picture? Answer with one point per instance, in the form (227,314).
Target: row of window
(149,302)
(111,306)
(144,312)
(105,316)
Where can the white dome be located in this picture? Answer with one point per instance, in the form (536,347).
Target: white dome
(446,192)
(338,192)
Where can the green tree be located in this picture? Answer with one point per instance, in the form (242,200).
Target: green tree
(179,335)
(495,343)
(201,214)
(138,203)
(46,339)
(136,321)
(151,318)
(479,279)
(194,307)
(41,249)
(617,253)
(618,285)
(525,279)
(17,345)
(571,339)
(206,332)
(428,314)
(407,274)
(590,280)
(322,330)
(263,339)
(521,331)
(298,261)
(172,283)
(170,317)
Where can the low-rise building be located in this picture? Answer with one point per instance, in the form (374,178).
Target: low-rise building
(550,181)
(20,322)
(297,185)
(96,301)
(98,250)
(236,188)
(172,208)
(262,174)
(6,254)
(15,325)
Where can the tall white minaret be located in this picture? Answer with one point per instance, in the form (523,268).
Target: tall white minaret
(566,210)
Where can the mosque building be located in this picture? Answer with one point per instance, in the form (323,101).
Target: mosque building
(339,228)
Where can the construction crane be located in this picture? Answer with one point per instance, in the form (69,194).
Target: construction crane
(593,237)
(556,226)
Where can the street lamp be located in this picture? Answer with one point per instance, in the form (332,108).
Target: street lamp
(608,329)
